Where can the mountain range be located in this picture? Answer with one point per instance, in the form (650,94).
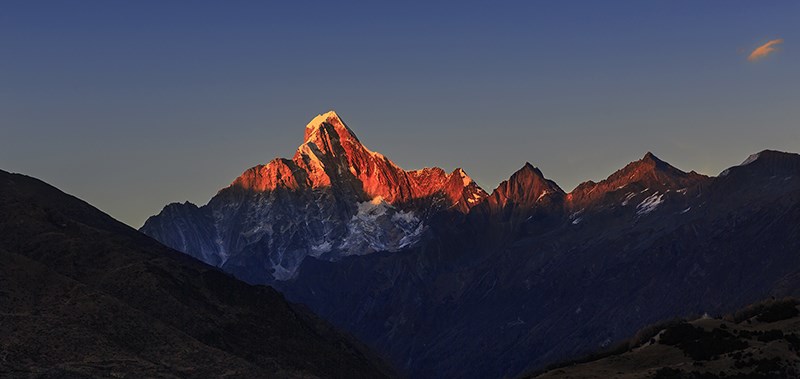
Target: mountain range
(450,281)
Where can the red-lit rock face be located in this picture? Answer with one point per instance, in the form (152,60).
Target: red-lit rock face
(277,173)
(525,188)
(331,155)
(649,171)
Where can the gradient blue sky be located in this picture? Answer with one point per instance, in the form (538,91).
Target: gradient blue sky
(131,105)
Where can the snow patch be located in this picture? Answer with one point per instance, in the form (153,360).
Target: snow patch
(379,226)
(282,273)
(545,193)
(402,216)
(465,180)
(650,204)
(628,198)
(322,247)
(307,150)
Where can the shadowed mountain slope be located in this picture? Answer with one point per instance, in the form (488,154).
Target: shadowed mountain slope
(82,295)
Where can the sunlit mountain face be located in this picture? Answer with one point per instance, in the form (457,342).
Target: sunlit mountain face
(450,281)
(334,198)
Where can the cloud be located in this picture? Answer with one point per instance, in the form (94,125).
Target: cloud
(764,50)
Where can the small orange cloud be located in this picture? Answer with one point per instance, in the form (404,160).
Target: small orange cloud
(764,50)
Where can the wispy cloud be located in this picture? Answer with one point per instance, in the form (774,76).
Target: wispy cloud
(764,50)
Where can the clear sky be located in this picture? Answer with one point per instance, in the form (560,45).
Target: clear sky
(131,105)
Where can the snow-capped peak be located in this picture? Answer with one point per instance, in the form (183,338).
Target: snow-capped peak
(322,118)
(322,123)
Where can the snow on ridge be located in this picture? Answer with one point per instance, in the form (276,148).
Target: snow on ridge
(752,158)
(321,118)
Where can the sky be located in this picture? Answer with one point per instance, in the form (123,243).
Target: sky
(131,105)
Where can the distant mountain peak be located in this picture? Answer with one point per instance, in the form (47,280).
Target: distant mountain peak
(650,160)
(768,162)
(529,169)
(649,172)
(769,155)
(526,187)
(648,164)
(649,157)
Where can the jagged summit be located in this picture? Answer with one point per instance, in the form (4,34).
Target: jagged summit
(650,158)
(526,187)
(332,156)
(328,122)
(529,169)
(333,198)
(650,161)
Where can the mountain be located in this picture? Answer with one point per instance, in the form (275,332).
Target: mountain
(541,282)
(82,295)
(334,198)
(760,341)
(513,280)
(649,175)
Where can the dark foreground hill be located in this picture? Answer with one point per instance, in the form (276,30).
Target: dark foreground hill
(82,295)
(760,341)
